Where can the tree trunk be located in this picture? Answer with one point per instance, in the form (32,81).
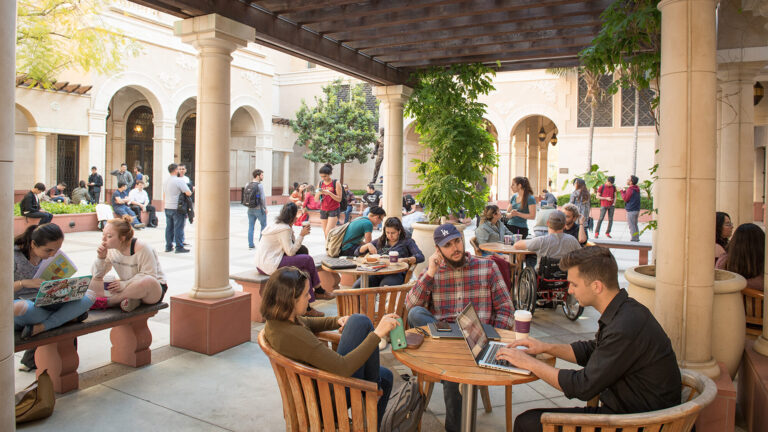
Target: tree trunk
(341,175)
(591,135)
(637,128)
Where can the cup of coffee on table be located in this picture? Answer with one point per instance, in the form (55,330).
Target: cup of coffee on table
(507,239)
(393,256)
(522,323)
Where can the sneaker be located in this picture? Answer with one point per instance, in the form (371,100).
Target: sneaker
(182,250)
(608,235)
(169,249)
(313,313)
(251,247)
(128,305)
(139,226)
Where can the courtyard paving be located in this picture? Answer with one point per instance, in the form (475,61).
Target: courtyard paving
(236,390)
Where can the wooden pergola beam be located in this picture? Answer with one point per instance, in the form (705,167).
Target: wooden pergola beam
(491,58)
(294,6)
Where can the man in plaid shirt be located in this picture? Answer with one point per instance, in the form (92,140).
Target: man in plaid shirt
(453,279)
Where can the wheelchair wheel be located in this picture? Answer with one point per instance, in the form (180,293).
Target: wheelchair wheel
(525,290)
(571,308)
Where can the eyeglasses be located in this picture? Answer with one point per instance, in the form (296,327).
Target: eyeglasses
(728,224)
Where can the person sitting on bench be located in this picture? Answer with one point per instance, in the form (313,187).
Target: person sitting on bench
(30,205)
(642,375)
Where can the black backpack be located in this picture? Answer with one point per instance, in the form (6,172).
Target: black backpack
(404,408)
(251,195)
(343,203)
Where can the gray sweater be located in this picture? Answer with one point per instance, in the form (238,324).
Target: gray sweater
(487,232)
(23,269)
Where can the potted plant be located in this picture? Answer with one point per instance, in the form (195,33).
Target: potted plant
(449,119)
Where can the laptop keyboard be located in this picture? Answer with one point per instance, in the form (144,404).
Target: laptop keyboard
(491,359)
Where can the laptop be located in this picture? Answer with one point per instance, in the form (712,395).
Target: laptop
(481,348)
(62,290)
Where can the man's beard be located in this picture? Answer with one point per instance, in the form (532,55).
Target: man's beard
(455,264)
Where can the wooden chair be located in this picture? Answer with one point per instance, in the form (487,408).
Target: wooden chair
(314,400)
(753,309)
(476,246)
(698,391)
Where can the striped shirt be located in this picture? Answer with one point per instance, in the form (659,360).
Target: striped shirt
(478,281)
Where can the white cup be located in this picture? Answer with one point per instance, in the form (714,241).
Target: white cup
(305,224)
(522,324)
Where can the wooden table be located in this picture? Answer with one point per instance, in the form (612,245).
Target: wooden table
(450,360)
(392,268)
(516,256)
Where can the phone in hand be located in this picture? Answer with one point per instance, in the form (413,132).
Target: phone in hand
(443,326)
(397,336)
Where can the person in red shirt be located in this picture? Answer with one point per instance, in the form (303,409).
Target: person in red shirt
(606,193)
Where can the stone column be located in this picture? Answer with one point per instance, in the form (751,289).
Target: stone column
(41,141)
(215,38)
(521,146)
(286,173)
(392,100)
(7,91)
(97,146)
(164,144)
(542,167)
(684,270)
(737,141)
(533,157)
(503,178)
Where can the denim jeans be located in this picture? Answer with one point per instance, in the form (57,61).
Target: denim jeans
(51,318)
(174,229)
(123,209)
(603,210)
(417,317)
(348,213)
(632,222)
(355,331)
(253,214)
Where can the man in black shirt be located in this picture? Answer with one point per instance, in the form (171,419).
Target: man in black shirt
(30,205)
(571,227)
(95,182)
(630,364)
(371,198)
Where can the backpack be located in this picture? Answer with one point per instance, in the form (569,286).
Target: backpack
(343,203)
(404,408)
(334,241)
(251,195)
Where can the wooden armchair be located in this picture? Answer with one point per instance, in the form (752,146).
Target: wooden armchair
(698,391)
(753,309)
(314,400)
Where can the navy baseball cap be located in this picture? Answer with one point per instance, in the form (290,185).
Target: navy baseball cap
(445,233)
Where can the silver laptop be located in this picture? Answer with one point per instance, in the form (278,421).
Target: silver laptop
(483,350)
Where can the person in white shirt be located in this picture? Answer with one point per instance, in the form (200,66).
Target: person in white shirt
(139,202)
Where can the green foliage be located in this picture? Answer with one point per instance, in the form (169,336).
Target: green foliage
(55,35)
(593,178)
(450,121)
(60,208)
(336,131)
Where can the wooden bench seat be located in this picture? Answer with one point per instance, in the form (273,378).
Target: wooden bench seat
(642,247)
(56,351)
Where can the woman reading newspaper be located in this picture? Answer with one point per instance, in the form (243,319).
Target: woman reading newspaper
(135,262)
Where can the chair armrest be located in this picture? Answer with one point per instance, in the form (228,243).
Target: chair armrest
(751,292)
(332,336)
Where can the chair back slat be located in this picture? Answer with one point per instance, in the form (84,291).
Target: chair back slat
(358,422)
(339,392)
(383,307)
(310,397)
(391,299)
(753,309)
(371,401)
(369,310)
(324,390)
(289,407)
(298,400)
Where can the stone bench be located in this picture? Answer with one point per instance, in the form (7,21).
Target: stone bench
(642,247)
(253,282)
(56,351)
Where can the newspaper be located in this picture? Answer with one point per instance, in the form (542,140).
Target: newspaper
(58,266)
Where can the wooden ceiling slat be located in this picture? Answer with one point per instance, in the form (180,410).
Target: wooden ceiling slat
(294,6)
(562,13)
(539,64)
(511,38)
(491,58)
(419,15)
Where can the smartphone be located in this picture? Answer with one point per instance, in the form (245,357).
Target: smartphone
(397,336)
(443,326)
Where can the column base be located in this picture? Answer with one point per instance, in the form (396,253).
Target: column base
(720,415)
(708,368)
(209,326)
(212,293)
(761,345)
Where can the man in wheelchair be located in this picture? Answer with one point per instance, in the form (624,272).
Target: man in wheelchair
(554,245)
(630,364)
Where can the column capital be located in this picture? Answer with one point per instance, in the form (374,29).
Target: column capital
(393,93)
(214,27)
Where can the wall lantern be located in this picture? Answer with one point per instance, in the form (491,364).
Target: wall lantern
(137,129)
(759,92)
(542,134)
(554,139)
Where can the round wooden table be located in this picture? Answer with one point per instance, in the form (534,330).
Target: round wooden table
(451,360)
(392,268)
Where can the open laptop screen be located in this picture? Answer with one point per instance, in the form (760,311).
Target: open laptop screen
(472,329)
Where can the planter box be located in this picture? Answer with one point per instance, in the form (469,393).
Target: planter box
(82,222)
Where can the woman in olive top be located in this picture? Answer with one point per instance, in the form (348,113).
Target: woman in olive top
(283,303)
(522,206)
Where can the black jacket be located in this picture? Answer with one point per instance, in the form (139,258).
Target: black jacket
(96,180)
(29,204)
(186,206)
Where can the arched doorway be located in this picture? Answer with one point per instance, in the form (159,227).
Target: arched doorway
(187,153)
(139,145)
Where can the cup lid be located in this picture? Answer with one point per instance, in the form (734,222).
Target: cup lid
(523,314)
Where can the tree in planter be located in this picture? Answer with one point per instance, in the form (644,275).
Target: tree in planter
(336,131)
(450,121)
(55,35)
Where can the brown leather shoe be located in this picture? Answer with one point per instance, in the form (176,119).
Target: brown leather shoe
(313,313)
(324,296)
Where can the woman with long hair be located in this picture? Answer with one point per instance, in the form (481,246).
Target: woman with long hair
(285,298)
(330,190)
(746,255)
(580,197)
(279,247)
(394,239)
(491,229)
(141,280)
(297,196)
(35,244)
(723,232)
(522,206)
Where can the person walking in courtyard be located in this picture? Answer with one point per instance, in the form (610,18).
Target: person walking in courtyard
(139,202)
(123,175)
(257,205)
(80,194)
(330,190)
(174,221)
(580,198)
(631,197)
(522,206)
(95,182)
(606,193)
(30,205)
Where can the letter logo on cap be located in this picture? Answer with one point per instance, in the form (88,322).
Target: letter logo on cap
(444,232)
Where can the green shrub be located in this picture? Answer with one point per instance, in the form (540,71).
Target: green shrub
(60,208)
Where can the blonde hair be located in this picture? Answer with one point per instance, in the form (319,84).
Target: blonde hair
(123,227)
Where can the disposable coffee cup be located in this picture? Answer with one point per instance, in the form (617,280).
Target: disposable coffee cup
(522,324)
(516,238)
(305,224)
(507,239)
(393,256)
(108,279)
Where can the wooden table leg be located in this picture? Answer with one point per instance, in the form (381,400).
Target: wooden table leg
(643,256)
